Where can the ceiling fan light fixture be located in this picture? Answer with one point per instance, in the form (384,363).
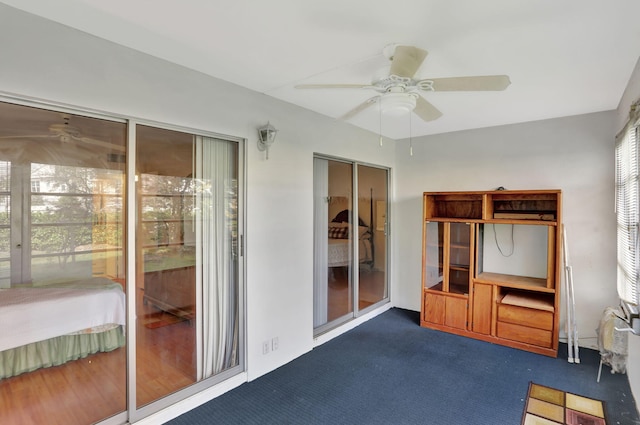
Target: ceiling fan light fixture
(397,104)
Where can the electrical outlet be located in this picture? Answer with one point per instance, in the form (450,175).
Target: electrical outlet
(274,343)
(265,347)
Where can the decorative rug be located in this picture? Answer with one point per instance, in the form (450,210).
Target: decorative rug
(161,319)
(549,406)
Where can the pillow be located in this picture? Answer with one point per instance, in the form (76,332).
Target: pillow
(338,232)
(363,231)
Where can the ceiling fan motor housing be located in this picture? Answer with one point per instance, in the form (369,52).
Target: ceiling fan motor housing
(397,104)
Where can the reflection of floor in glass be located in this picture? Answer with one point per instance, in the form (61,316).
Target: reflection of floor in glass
(166,357)
(79,392)
(93,388)
(372,289)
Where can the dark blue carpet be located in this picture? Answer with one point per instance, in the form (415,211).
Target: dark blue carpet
(389,370)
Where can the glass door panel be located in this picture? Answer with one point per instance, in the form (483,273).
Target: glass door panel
(340,240)
(5,224)
(372,235)
(459,258)
(165,263)
(187,261)
(333,243)
(434,255)
(61,267)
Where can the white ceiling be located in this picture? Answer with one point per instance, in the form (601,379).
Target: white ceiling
(563,57)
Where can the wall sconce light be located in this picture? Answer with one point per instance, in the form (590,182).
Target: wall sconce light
(266,137)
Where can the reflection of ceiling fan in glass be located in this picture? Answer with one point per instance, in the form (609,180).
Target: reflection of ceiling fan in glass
(66,133)
(399,92)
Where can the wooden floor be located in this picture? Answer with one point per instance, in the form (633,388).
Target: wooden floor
(91,389)
(371,290)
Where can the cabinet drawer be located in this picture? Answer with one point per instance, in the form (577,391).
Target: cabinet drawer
(525,316)
(524,334)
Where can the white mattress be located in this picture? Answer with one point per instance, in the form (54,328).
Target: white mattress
(338,253)
(36,314)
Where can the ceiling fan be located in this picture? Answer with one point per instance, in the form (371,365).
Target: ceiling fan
(399,91)
(66,133)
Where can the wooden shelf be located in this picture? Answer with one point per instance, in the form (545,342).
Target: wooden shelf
(459,289)
(536,205)
(454,220)
(532,222)
(529,300)
(436,287)
(536,216)
(513,281)
(452,205)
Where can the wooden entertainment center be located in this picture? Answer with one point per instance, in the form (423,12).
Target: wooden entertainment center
(491,266)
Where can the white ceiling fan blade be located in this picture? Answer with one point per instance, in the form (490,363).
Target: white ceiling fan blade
(361,107)
(100,143)
(479,83)
(332,86)
(425,110)
(406,61)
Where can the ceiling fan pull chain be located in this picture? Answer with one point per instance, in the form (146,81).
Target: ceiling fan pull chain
(410,137)
(380,122)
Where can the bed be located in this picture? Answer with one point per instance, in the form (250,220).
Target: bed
(339,247)
(340,229)
(56,323)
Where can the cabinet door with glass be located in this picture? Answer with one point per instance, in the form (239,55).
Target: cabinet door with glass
(448,265)
(448,257)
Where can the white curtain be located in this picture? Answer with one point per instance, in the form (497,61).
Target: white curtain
(320,243)
(216,270)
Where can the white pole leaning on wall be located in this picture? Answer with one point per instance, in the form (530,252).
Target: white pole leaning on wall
(573,355)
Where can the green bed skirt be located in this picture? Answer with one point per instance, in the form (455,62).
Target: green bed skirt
(59,350)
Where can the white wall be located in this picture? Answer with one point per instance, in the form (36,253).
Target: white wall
(574,154)
(631,94)
(48,61)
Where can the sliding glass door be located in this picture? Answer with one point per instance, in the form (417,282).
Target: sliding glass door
(350,244)
(187,260)
(120,266)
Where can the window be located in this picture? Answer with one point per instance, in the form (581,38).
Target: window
(626,158)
